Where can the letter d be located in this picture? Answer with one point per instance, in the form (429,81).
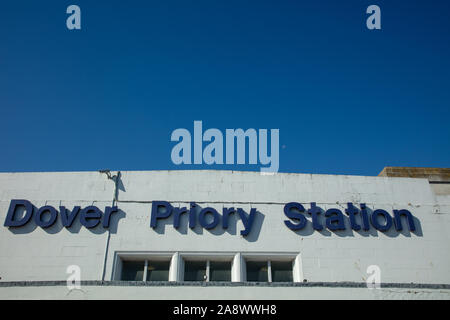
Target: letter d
(10,222)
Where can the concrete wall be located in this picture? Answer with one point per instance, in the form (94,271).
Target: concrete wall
(220,293)
(31,253)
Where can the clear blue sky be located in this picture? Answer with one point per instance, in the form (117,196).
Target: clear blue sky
(346,100)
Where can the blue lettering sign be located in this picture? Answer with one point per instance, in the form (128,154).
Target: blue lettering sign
(208,218)
(46,216)
(380,219)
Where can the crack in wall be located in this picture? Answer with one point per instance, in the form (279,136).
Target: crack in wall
(116,180)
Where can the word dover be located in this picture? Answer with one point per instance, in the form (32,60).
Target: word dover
(20,213)
(213,153)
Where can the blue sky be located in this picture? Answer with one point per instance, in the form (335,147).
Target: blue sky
(347,100)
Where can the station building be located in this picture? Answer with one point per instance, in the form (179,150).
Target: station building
(225,235)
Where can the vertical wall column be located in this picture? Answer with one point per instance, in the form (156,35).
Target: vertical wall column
(269,271)
(208,269)
(174,267)
(237,273)
(145,270)
(298,269)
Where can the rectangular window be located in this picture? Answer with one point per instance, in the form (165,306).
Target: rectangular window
(195,271)
(208,266)
(158,270)
(281,271)
(220,270)
(257,271)
(132,270)
(269,271)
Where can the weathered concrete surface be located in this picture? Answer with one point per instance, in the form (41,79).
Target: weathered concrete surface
(432,174)
(439,179)
(220,293)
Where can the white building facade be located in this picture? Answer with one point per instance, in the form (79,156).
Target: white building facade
(222,235)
